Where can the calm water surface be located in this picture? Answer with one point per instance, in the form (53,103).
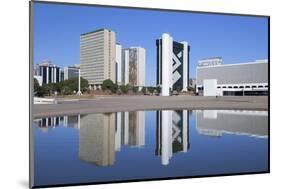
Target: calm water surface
(149,144)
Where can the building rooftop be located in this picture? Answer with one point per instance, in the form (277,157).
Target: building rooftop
(98,30)
(211,58)
(265,61)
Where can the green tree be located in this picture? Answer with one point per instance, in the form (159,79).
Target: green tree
(41,91)
(71,85)
(36,85)
(135,89)
(66,90)
(158,89)
(143,90)
(107,84)
(124,89)
(150,89)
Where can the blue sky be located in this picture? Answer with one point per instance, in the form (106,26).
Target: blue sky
(236,39)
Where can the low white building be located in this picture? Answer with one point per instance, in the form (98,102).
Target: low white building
(232,79)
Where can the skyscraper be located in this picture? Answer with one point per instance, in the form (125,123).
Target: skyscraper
(134,60)
(172,64)
(97,56)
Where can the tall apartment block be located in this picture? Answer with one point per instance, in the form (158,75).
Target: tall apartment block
(134,66)
(130,66)
(97,56)
(137,66)
(172,64)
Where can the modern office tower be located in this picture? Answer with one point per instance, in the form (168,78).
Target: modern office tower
(172,64)
(172,133)
(71,72)
(132,69)
(136,128)
(97,139)
(238,122)
(137,66)
(118,54)
(97,56)
(50,72)
(241,79)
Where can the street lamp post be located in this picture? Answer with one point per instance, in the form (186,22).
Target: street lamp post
(79,83)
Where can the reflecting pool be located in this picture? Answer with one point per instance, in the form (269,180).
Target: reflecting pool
(148,145)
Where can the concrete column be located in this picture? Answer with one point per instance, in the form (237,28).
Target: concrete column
(185,66)
(65,121)
(79,83)
(118,131)
(52,74)
(126,127)
(47,75)
(55,74)
(184,130)
(166,61)
(171,63)
(79,121)
(59,75)
(126,67)
(166,120)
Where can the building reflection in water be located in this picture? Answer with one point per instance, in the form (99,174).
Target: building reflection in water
(218,122)
(48,122)
(172,133)
(101,135)
(71,121)
(97,139)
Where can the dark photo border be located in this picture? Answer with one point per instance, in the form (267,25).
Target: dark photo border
(31,55)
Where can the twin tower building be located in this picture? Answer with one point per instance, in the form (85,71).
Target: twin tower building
(102,58)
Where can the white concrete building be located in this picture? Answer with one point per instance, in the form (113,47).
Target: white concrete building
(172,64)
(97,56)
(233,79)
(134,60)
(132,68)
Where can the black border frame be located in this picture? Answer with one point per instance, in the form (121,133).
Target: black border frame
(31,45)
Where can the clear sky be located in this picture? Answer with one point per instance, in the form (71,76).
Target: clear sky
(236,39)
